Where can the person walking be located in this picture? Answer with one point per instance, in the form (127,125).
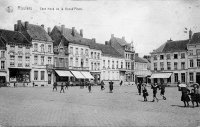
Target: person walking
(54,86)
(89,87)
(102,85)
(193,97)
(162,91)
(145,92)
(139,86)
(197,94)
(62,88)
(66,84)
(154,87)
(121,82)
(185,96)
(111,86)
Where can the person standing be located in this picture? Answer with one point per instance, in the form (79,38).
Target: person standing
(121,83)
(62,88)
(197,94)
(89,87)
(102,85)
(193,97)
(139,87)
(66,84)
(33,84)
(54,86)
(185,96)
(111,86)
(162,91)
(154,87)
(145,92)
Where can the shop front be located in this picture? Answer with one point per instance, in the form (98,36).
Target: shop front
(62,76)
(3,79)
(160,77)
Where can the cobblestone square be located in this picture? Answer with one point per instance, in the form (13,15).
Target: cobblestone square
(39,106)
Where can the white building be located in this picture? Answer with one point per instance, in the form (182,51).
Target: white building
(3,65)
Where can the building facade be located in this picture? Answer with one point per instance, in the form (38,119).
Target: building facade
(41,52)
(3,65)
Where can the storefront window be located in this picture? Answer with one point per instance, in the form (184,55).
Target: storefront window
(42,75)
(35,75)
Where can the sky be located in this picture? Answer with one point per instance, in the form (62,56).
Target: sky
(148,23)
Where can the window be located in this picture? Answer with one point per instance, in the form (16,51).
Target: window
(61,62)
(175,56)
(113,67)
(198,52)
(198,62)
(49,48)
(126,56)
(161,65)
(76,62)
(12,47)
(128,67)
(191,76)
(168,66)
(35,47)
(12,60)
(95,55)
(49,60)
(76,51)
(86,52)
(42,75)
(91,54)
(175,65)
(35,60)
(71,61)
(91,65)
(2,64)
(161,57)
(182,55)
(155,57)
(55,61)
(117,65)
(169,80)
(42,48)
(182,65)
(27,50)
(95,66)
(176,77)
(190,52)
(42,60)
(20,48)
(98,66)
(104,64)
(61,50)
(121,64)
(183,77)
(108,63)
(86,62)
(191,63)
(20,61)
(27,64)
(2,54)
(35,75)
(168,56)
(155,66)
(98,56)
(71,50)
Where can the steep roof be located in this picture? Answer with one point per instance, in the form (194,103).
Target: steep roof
(9,36)
(195,38)
(173,46)
(121,41)
(140,60)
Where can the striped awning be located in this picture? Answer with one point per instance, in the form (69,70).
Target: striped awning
(87,75)
(64,73)
(78,74)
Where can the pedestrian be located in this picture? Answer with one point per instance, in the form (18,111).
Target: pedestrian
(197,94)
(66,84)
(33,84)
(154,87)
(185,96)
(193,97)
(55,86)
(121,82)
(62,88)
(89,86)
(139,86)
(102,85)
(14,84)
(162,91)
(111,86)
(145,92)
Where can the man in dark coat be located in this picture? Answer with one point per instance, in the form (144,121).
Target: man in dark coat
(54,86)
(89,86)
(139,87)
(111,86)
(62,88)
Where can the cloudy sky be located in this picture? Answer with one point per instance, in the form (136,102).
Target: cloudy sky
(148,23)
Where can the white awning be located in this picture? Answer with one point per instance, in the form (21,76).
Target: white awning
(78,74)
(161,75)
(2,74)
(64,73)
(87,75)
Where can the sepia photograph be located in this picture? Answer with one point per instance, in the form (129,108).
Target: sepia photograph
(99,63)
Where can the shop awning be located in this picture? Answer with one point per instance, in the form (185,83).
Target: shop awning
(78,74)
(161,75)
(141,76)
(64,73)
(2,74)
(87,75)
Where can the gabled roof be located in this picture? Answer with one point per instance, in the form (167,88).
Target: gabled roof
(173,46)
(140,60)
(121,41)
(16,37)
(195,38)
(37,32)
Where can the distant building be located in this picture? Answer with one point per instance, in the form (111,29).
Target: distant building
(41,52)
(18,57)
(127,51)
(3,64)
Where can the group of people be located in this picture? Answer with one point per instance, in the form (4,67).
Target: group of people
(142,89)
(188,95)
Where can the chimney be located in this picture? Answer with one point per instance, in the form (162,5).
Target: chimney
(62,29)
(73,31)
(190,34)
(42,25)
(94,40)
(19,22)
(49,30)
(15,27)
(123,38)
(169,40)
(26,25)
(81,32)
(112,35)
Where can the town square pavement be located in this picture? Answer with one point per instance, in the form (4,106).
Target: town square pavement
(39,106)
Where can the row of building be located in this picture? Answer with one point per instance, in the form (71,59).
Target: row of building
(177,61)
(31,53)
